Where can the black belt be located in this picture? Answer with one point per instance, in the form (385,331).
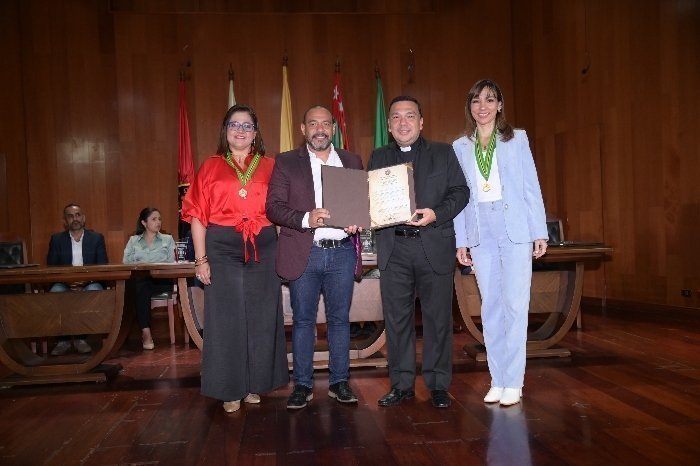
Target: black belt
(407,232)
(331,243)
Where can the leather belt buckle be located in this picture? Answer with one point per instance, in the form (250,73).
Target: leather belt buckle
(407,233)
(331,243)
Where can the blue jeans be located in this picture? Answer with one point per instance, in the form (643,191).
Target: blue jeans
(62,287)
(331,272)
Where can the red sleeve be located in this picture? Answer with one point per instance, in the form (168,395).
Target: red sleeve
(213,196)
(197,201)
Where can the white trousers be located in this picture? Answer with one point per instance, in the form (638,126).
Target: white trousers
(504,275)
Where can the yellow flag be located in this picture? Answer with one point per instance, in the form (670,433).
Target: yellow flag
(286,141)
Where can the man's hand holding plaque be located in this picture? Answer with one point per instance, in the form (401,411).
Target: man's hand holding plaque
(423,217)
(317,219)
(374,199)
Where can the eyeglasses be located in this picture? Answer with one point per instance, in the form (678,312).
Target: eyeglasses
(247,127)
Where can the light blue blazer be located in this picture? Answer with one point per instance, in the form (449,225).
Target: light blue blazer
(522,198)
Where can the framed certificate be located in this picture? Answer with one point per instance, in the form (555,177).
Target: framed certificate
(375,199)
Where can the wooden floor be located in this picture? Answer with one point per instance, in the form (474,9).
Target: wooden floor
(630,394)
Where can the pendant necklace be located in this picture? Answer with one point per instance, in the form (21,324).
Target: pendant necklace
(243,177)
(484,161)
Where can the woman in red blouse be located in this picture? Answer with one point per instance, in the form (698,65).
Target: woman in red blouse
(235,244)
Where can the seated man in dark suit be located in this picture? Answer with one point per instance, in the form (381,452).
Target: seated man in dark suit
(75,246)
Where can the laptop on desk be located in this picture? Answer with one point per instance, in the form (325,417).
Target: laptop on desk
(577,244)
(17,266)
(555,232)
(556,237)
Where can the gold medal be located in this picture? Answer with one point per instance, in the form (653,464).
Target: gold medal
(243,178)
(486,187)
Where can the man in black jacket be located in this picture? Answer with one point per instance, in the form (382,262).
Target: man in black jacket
(75,246)
(419,257)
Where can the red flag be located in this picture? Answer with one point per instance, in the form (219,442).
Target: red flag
(340,139)
(185,168)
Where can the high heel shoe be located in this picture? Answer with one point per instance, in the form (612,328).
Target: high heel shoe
(147,339)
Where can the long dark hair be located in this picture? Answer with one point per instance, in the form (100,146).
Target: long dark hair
(143,217)
(258,144)
(502,125)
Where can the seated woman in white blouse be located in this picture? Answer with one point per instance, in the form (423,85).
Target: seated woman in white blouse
(149,245)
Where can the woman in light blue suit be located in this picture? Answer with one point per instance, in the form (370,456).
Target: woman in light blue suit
(499,232)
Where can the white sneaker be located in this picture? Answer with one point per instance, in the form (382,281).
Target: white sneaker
(511,396)
(494,395)
(82,346)
(61,348)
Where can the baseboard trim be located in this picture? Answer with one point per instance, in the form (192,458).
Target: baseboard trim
(624,305)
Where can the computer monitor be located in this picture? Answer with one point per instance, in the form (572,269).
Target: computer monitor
(555,231)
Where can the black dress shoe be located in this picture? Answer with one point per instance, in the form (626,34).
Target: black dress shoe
(440,398)
(395,396)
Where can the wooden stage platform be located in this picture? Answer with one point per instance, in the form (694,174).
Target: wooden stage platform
(629,394)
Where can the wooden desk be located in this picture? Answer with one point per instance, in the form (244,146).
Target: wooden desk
(97,314)
(365,308)
(189,304)
(555,294)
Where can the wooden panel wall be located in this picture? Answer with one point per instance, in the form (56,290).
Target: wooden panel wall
(102,80)
(614,103)
(14,176)
(91,105)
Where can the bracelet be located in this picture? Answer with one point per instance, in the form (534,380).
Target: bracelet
(201,260)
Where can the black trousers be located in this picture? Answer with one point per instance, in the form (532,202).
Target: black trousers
(144,289)
(408,272)
(244,345)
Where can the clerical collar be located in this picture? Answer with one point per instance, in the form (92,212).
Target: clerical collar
(405,148)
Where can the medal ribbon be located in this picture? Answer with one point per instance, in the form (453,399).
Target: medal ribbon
(244,177)
(484,162)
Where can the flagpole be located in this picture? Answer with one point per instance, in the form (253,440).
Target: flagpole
(286,138)
(231,96)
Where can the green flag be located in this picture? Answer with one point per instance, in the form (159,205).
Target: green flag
(381,134)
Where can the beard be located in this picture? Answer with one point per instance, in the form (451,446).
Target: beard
(319,144)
